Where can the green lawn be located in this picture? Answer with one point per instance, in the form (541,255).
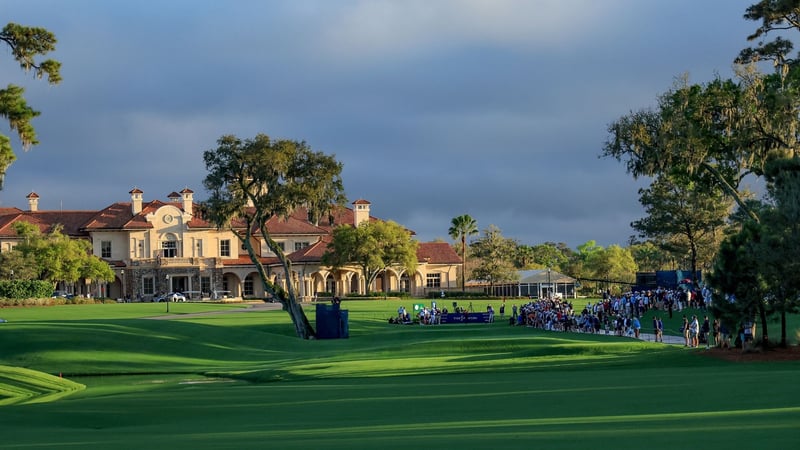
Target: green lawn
(243,381)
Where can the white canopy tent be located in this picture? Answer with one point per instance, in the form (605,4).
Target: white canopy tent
(538,283)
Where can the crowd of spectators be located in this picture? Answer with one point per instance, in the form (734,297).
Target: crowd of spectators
(555,314)
(619,315)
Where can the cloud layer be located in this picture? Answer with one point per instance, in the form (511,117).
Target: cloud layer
(497,109)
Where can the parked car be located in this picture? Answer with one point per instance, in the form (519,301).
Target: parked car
(63,294)
(171,297)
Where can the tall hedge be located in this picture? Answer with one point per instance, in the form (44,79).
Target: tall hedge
(25,289)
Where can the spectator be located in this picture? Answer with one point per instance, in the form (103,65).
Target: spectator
(655,328)
(726,336)
(660,331)
(716,333)
(685,331)
(694,331)
(748,334)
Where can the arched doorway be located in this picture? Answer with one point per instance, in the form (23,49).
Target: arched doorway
(405,283)
(330,284)
(355,283)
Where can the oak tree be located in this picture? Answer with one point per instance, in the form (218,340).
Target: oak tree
(253,180)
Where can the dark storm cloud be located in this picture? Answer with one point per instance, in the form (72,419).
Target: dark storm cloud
(497,109)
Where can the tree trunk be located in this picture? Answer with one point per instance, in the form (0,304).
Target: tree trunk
(764,333)
(287,298)
(302,326)
(783,329)
(463,262)
(731,191)
(693,246)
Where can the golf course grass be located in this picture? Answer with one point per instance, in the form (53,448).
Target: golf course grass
(109,376)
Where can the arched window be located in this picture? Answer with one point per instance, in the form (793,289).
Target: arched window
(169,246)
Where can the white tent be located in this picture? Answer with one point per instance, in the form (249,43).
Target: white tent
(537,284)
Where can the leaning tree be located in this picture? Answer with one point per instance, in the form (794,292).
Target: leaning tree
(253,180)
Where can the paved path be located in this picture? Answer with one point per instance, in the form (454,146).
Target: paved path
(248,307)
(668,339)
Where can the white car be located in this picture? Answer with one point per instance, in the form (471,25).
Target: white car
(171,297)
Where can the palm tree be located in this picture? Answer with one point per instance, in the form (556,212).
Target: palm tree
(463,226)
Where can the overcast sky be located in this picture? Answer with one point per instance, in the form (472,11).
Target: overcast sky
(436,108)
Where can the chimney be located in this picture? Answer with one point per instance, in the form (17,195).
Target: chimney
(187,200)
(33,201)
(360,211)
(136,200)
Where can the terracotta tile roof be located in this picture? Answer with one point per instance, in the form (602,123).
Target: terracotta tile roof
(437,253)
(429,252)
(294,225)
(244,260)
(6,211)
(340,216)
(311,254)
(197,222)
(72,222)
(6,222)
(117,217)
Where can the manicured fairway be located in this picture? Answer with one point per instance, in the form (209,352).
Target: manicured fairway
(242,381)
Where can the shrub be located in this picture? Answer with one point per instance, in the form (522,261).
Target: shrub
(22,289)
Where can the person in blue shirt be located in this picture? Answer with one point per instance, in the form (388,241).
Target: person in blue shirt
(637,326)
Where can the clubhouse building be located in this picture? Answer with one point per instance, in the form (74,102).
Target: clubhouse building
(157,246)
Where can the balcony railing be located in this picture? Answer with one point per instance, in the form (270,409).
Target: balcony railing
(177,262)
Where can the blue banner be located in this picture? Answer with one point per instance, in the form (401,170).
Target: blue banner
(481,317)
